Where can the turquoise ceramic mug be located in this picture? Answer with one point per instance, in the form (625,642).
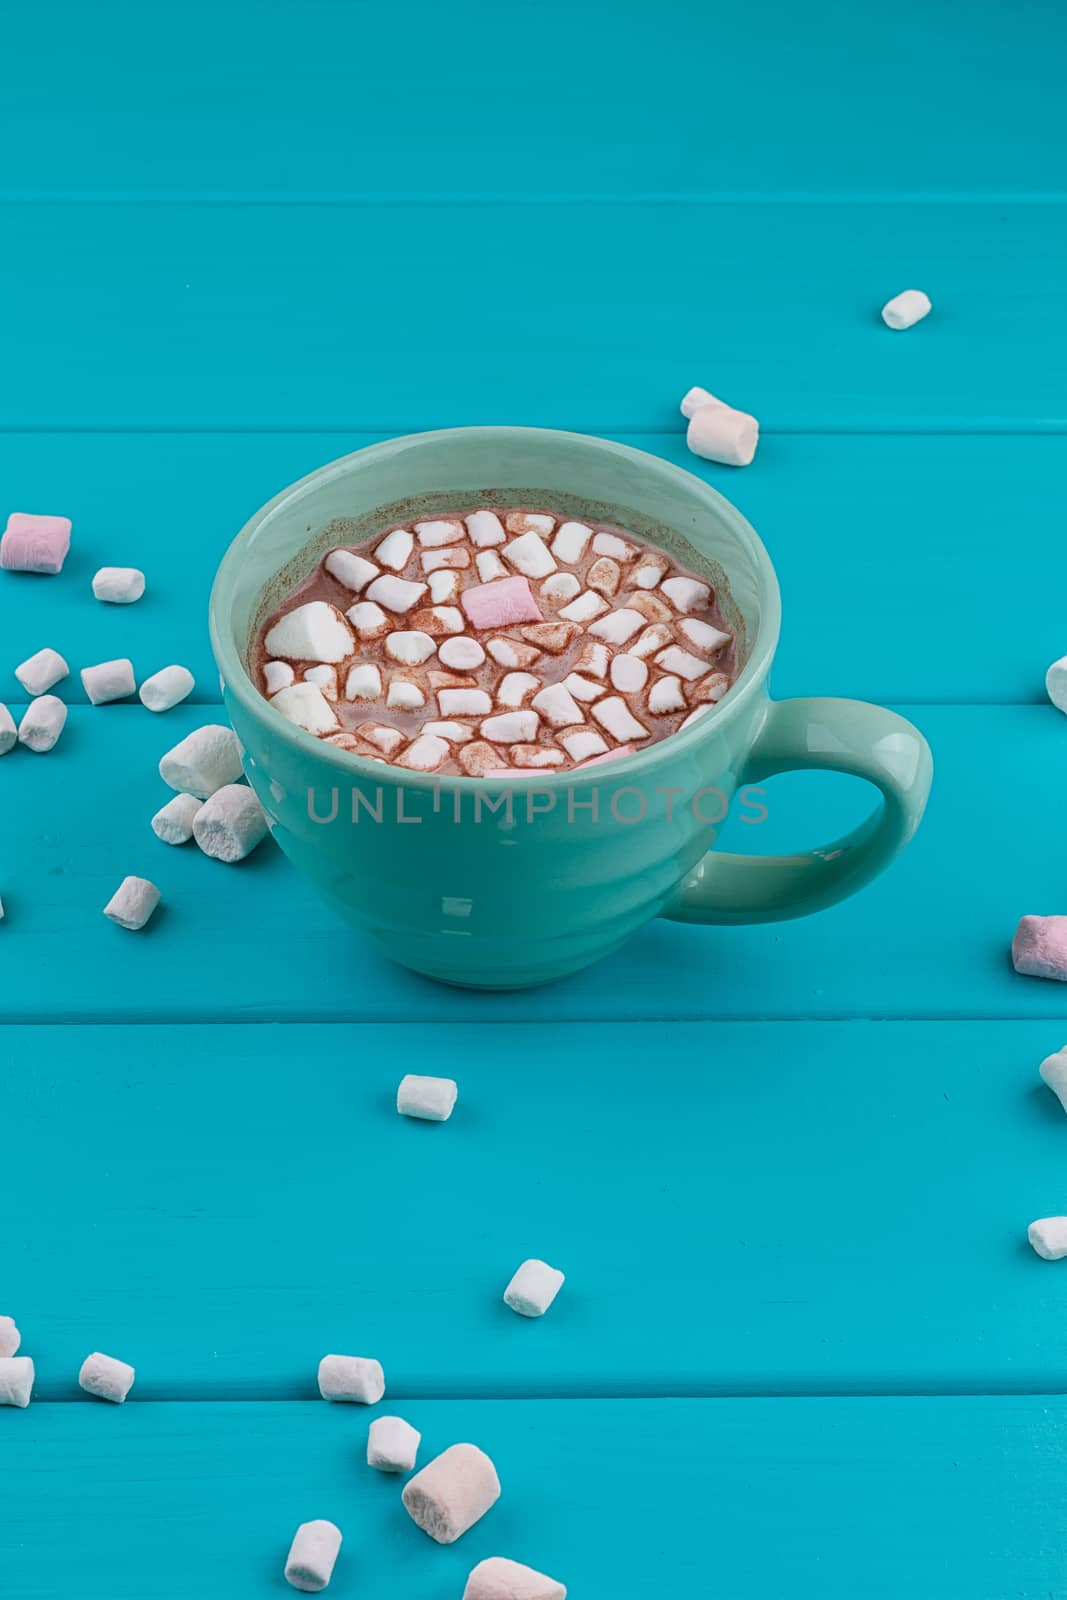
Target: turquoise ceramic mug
(504,883)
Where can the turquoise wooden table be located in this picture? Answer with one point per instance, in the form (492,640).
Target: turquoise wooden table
(804,1348)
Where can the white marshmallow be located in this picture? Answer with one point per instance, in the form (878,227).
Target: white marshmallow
(558,706)
(649,571)
(530,555)
(307,706)
(452,1493)
(203,761)
(570,542)
(489,566)
(277,675)
(454,559)
(454,732)
(355,572)
(395,549)
(434,534)
(119,586)
(719,433)
(694,398)
(1048,1235)
(511,727)
(324,678)
(16,1380)
(461,654)
(108,680)
(444,585)
(617,626)
(702,635)
(39,672)
(10,1337)
(609,544)
(485,528)
(906,309)
(173,823)
(1056,683)
(529,522)
(409,647)
(654,638)
(1054,1072)
(312,1556)
(377,733)
(533,1288)
(561,586)
(42,723)
(583,744)
(230,824)
(8,731)
(364,682)
(693,715)
(505,652)
(404,695)
(424,754)
(369,620)
(499,1579)
(106,1378)
(430,1099)
(315,631)
(392,1444)
(515,687)
(674,659)
(615,715)
(168,687)
(593,659)
(587,606)
(628,673)
(463,702)
(666,695)
(535,755)
(450,618)
(358,1379)
(687,594)
(132,904)
(583,688)
(395,594)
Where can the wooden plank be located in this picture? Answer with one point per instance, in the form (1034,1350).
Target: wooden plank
(940,519)
(264,315)
(739,1208)
(368,98)
(929,939)
(943,1499)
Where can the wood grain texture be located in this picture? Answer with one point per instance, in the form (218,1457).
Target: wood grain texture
(739,1208)
(353,316)
(749,1500)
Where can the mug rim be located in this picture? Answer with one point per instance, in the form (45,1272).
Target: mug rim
(236,678)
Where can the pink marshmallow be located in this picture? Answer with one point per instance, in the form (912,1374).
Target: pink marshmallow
(35,544)
(503,601)
(1039,948)
(609,755)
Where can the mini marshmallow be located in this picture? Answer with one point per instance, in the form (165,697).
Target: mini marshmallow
(315,631)
(584,688)
(512,653)
(592,659)
(687,594)
(500,603)
(16,1378)
(355,572)
(570,542)
(405,696)
(499,1579)
(615,715)
(551,636)
(719,433)
(358,1379)
(451,560)
(649,571)
(307,706)
(106,1378)
(395,594)
(653,639)
(35,544)
(515,687)
(452,1493)
(529,522)
(906,309)
(1039,948)
(628,673)
(693,399)
(230,824)
(618,626)
(651,607)
(533,756)
(512,727)
(702,635)
(169,687)
(444,585)
(424,754)
(1048,1235)
(585,607)
(711,688)
(204,760)
(462,654)
(609,544)
(132,904)
(277,675)
(369,620)
(605,576)
(118,586)
(433,534)
(489,566)
(485,528)
(561,586)
(364,682)
(312,1556)
(1053,1072)
(429,1099)
(463,702)
(395,549)
(173,823)
(533,1288)
(583,744)
(681,662)
(1056,683)
(324,678)
(478,759)
(10,1337)
(666,695)
(108,680)
(8,731)
(454,732)
(445,619)
(385,738)
(530,556)
(392,1444)
(42,723)
(39,672)
(410,648)
(558,706)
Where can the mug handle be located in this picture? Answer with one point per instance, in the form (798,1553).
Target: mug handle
(849,736)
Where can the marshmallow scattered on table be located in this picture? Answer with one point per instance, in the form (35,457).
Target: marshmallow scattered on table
(500,1579)
(132,904)
(8,731)
(203,761)
(108,680)
(170,686)
(1056,683)
(35,544)
(1054,1072)
(10,1337)
(106,1378)
(42,723)
(1048,1235)
(38,673)
(312,1555)
(173,823)
(906,309)
(16,1380)
(719,433)
(358,1379)
(1039,948)
(430,1099)
(392,1445)
(694,398)
(452,1492)
(119,586)
(533,1288)
(230,823)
